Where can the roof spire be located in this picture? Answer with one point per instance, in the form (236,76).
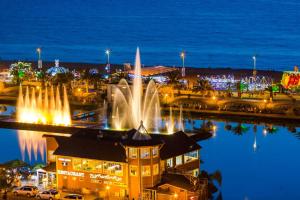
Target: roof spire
(141,133)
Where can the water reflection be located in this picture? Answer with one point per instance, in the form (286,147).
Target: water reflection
(251,158)
(32,145)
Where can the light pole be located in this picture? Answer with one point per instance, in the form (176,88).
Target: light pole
(254,66)
(39,51)
(107,53)
(182,56)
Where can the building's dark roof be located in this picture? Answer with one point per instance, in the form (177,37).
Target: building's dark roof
(177,180)
(109,145)
(50,167)
(97,149)
(176,144)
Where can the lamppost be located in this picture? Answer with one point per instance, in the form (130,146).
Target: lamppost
(107,53)
(254,67)
(39,51)
(182,56)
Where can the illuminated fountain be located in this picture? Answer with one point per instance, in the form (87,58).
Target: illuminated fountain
(47,109)
(133,105)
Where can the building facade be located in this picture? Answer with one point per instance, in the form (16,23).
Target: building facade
(125,164)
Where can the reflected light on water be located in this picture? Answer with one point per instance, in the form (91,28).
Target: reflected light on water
(31,144)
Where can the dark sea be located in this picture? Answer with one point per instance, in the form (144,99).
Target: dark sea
(214,33)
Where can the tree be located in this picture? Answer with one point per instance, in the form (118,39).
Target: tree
(173,77)
(239,88)
(212,188)
(61,78)
(21,71)
(203,85)
(240,129)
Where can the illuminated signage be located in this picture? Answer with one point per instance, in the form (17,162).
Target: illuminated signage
(105,176)
(64,160)
(68,173)
(290,80)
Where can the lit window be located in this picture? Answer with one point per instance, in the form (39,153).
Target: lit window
(178,160)
(133,170)
(155,169)
(146,170)
(112,168)
(155,151)
(98,166)
(77,164)
(132,152)
(145,153)
(170,162)
(193,155)
(88,165)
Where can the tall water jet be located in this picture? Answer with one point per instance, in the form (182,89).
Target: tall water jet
(171,124)
(104,115)
(181,124)
(132,106)
(137,91)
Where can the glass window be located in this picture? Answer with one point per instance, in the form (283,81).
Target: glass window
(146,170)
(98,166)
(145,153)
(132,152)
(178,160)
(112,168)
(193,155)
(170,162)
(155,151)
(88,165)
(77,164)
(133,170)
(155,169)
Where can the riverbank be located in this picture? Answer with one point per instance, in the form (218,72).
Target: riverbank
(242,117)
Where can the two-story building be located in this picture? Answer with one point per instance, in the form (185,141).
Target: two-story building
(126,164)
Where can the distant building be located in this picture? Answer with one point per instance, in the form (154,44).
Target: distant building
(119,164)
(155,71)
(5,76)
(57,69)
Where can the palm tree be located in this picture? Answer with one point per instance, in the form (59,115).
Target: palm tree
(240,129)
(203,84)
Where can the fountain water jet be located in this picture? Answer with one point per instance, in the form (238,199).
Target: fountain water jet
(132,107)
(33,110)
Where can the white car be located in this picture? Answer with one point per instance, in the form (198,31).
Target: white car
(73,196)
(48,194)
(29,191)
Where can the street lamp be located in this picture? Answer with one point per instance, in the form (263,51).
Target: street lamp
(39,51)
(254,66)
(107,53)
(182,56)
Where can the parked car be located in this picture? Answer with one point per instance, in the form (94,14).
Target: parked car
(73,196)
(29,191)
(48,194)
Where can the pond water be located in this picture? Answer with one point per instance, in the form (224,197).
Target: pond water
(255,162)
(269,171)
